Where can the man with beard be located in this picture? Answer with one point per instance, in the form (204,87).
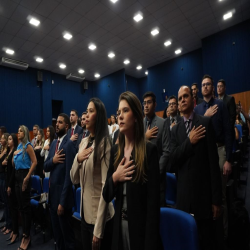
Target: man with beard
(195,90)
(85,132)
(74,131)
(35,131)
(61,200)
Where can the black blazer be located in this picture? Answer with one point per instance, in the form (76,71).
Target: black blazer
(143,204)
(116,134)
(166,127)
(229,101)
(199,179)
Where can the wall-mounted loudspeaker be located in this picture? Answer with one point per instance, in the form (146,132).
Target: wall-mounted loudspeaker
(85,85)
(39,76)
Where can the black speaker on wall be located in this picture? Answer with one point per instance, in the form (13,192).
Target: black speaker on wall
(85,85)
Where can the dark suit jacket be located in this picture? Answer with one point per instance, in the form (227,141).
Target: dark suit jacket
(116,134)
(80,139)
(143,204)
(199,179)
(199,100)
(61,191)
(229,101)
(78,130)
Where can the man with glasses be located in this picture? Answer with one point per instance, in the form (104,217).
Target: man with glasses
(195,90)
(153,126)
(218,112)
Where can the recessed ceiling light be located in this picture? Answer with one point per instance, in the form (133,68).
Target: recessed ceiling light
(81,71)
(34,21)
(10,51)
(92,47)
(167,43)
(39,59)
(62,66)
(111,55)
(139,67)
(113,1)
(138,17)
(146,72)
(67,36)
(178,51)
(154,32)
(126,61)
(228,15)
(97,75)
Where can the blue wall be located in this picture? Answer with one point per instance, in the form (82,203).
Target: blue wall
(222,59)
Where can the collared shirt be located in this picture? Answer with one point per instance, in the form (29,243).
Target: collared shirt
(221,97)
(61,139)
(148,122)
(190,118)
(221,123)
(171,121)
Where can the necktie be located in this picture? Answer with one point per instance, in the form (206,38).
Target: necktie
(195,102)
(187,124)
(83,135)
(172,120)
(72,131)
(57,144)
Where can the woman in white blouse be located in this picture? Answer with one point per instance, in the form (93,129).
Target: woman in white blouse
(50,133)
(113,126)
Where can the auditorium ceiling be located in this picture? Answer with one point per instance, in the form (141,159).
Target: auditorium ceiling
(111,28)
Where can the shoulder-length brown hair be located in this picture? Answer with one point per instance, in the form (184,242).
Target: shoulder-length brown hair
(140,141)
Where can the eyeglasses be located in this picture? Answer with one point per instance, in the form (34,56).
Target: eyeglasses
(172,104)
(147,102)
(207,84)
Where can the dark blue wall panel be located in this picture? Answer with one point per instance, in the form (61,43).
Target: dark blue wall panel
(223,59)
(133,85)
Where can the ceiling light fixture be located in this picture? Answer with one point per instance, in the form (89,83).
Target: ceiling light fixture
(97,75)
(67,36)
(167,43)
(81,71)
(126,61)
(146,72)
(138,17)
(92,47)
(178,51)
(39,59)
(10,51)
(154,32)
(111,55)
(34,21)
(139,67)
(228,15)
(113,1)
(62,66)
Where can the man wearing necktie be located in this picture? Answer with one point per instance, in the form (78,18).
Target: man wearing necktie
(153,126)
(194,157)
(195,91)
(61,200)
(84,133)
(218,112)
(35,131)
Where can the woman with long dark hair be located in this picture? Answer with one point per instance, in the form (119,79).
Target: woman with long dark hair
(3,195)
(25,162)
(10,186)
(113,126)
(38,148)
(90,170)
(133,178)
(50,134)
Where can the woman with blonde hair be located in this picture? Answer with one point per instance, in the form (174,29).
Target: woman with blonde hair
(90,169)
(134,180)
(25,162)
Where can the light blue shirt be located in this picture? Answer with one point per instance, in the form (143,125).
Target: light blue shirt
(22,162)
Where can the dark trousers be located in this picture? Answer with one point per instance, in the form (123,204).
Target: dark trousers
(8,220)
(63,230)
(12,200)
(23,199)
(87,235)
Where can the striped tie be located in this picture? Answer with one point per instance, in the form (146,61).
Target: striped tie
(187,124)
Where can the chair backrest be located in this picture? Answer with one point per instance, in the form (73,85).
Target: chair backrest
(178,230)
(78,199)
(171,189)
(36,184)
(46,185)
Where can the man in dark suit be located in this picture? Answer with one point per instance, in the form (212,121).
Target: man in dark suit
(84,132)
(194,155)
(195,90)
(75,130)
(61,200)
(153,126)
(228,101)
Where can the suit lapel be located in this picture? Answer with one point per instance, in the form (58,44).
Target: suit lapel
(182,131)
(65,139)
(154,122)
(195,121)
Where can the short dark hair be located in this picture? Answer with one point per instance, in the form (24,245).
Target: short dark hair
(150,94)
(194,84)
(173,97)
(84,113)
(3,129)
(66,118)
(37,126)
(15,141)
(74,111)
(208,76)
(223,82)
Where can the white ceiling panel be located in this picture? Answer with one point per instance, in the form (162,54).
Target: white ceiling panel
(21,14)
(28,46)
(12,27)
(70,19)
(25,32)
(70,4)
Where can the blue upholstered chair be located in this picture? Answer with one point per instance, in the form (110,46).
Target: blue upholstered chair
(171,187)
